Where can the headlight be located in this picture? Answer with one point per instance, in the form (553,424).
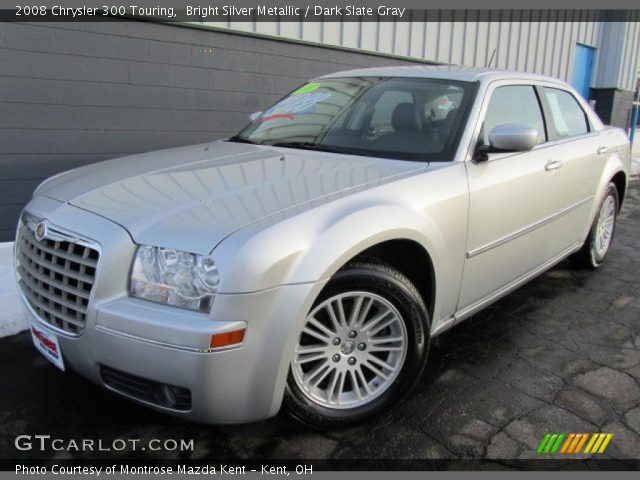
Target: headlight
(173,277)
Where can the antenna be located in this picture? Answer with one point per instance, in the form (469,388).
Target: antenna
(491,59)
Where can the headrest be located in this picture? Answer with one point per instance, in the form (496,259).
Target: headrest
(405,118)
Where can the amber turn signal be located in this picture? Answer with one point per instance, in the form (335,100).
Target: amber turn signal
(227,339)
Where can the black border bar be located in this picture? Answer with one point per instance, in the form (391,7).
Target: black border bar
(87,14)
(592,464)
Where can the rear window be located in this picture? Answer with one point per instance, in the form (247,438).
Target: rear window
(568,116)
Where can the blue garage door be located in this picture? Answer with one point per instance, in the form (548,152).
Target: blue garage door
(582,69)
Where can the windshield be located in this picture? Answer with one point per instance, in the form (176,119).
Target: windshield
(403,118)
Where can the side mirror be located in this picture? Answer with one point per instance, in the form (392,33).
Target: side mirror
(509,137)
(254,116)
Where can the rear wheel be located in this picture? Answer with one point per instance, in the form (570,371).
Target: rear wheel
(598,243)
(363,346)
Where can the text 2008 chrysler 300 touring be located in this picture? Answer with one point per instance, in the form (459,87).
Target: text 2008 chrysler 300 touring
(309,259)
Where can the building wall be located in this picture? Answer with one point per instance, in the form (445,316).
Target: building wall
(534,41)
(76,93)
(620,55)
(614,106)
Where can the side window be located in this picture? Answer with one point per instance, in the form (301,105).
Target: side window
(568,116)
(385,106)
(514,104)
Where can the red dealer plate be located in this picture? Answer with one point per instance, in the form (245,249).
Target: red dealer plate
(47,343)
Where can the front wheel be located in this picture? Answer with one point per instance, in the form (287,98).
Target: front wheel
(598,243)
(363,346)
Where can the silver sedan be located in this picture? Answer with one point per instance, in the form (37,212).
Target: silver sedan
(310,259)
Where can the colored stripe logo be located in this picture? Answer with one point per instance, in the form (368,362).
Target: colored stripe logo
(573,443)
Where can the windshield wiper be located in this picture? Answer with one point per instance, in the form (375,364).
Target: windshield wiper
(305,146)
(238,139)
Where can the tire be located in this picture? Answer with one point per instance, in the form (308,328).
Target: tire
(594,251)
(390,308)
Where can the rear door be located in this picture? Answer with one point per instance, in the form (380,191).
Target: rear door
(576,150)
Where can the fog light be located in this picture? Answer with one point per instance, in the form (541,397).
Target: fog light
(227,339)
(168,396)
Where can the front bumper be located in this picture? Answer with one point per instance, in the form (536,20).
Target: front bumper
(170,346)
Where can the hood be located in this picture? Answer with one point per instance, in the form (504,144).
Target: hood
(191,198)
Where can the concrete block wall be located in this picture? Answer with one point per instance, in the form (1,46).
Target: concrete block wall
(613,106)
(77,93)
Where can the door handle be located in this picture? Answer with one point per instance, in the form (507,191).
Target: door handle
(553,165)
(602,150)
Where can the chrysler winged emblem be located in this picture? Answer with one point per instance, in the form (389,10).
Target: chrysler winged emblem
(41,231)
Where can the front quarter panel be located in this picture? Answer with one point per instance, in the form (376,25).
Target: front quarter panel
(429,208)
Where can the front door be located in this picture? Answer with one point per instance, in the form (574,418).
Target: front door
(513,201)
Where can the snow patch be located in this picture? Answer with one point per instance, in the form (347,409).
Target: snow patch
(12,318)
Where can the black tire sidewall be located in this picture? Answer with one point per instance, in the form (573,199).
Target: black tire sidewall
(394,287)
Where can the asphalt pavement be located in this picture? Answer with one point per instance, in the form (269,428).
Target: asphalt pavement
(561,354)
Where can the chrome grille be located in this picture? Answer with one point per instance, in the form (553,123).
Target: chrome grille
(56,275)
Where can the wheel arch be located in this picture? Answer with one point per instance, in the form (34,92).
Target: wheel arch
(614,171)
(411,259)
(620,181)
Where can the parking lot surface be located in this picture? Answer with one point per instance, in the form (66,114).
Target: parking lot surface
(561,354)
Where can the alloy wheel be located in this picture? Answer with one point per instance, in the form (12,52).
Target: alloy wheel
(605,225)
(350,351)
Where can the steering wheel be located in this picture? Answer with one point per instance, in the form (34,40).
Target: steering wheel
(438,134)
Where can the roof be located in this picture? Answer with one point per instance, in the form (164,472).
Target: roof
(450,72)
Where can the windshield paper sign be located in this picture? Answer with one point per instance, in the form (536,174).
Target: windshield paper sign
(296,104)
